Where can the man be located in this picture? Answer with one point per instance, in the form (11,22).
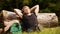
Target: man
(29,19)
(10,22)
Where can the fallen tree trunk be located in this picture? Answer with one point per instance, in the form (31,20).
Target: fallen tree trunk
(47,19)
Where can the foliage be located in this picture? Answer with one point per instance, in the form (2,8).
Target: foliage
(46,6)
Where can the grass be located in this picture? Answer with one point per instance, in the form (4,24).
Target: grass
(55,30)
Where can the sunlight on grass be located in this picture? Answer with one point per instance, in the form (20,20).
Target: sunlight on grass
(55,30)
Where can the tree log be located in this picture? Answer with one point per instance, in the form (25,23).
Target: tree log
(47,19)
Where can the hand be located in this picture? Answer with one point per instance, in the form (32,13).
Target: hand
(6,28)
(18,12)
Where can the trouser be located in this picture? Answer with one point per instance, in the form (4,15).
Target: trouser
(33,28)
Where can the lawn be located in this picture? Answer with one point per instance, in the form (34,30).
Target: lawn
(54,30)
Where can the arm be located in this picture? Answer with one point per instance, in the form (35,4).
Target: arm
(6,28)
(10,23)
(7,25)
(18,12)
(36,9)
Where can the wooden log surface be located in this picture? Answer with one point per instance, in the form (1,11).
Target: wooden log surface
(47,19)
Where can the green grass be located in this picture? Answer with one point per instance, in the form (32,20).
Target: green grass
(55,30)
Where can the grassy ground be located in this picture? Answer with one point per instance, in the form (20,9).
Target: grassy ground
(55,30)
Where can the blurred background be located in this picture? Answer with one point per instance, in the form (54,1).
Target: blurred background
(46,6)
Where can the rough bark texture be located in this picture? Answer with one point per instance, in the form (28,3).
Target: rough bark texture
(47,19)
